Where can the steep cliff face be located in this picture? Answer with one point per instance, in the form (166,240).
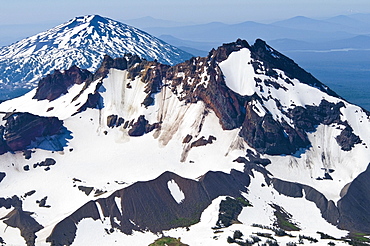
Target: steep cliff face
(169,143)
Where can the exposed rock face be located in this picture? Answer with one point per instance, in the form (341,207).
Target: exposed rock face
(223,52)
(25,223)
(7,203)
(56,84)
(150,205)
(309,117)
(48,162)
(141,126)
(347,139)
(152,74)
(354,206)
(257,159)
(265,134)
(269,136)
(20,219)
(229,211)
(94,101)
(202,141)
(287,188)
(65,231)
(114,121)
(2,176)
(25,130)
(118,63)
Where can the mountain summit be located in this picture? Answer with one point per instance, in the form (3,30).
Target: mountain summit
(82,41)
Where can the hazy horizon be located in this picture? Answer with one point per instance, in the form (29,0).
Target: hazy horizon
(233,11)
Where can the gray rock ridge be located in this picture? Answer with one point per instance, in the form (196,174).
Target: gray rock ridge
(150,206)
(156,210)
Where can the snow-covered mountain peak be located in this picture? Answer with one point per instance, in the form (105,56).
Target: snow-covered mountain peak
(243,139)
(82,41)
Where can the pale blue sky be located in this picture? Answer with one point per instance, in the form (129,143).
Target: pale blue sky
(200,11)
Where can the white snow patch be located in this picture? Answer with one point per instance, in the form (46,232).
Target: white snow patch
(239,73)
(175,190)
(118,203)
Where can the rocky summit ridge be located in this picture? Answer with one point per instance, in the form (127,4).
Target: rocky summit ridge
(82,41)
(242,146)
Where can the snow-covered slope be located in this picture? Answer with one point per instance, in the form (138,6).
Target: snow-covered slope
(243,139)
(82,41)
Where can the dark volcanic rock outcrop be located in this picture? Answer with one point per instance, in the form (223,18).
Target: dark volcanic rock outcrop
(25,223)
(142,126)
(20,219)
(54,85)
(202,141)
(25,130)
(2,176)
(347,139)
(152,74)
(310,117)
(120,63)
(269,136)
(354,207)
(64,232)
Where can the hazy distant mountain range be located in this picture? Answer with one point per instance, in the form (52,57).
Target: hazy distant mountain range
(305,32)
